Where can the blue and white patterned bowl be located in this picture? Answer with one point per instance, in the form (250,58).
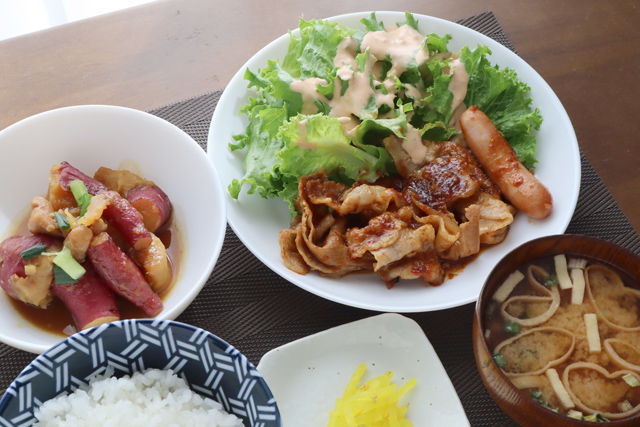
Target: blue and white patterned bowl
(209,365)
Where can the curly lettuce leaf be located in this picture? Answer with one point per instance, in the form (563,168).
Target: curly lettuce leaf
(311,54)
(316,142)
(260,161)
(501,95)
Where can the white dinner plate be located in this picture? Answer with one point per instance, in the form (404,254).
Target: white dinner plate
(258,221)
(306,376)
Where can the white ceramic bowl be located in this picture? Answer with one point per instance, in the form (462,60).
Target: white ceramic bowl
(95,135)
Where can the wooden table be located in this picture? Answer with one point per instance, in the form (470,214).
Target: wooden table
(171,50)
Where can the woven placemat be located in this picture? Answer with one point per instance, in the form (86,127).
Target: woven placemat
(249,306)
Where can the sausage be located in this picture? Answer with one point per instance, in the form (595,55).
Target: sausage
(500,162)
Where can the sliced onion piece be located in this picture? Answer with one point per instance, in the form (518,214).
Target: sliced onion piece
(552,296)
(551,363)
(604,373)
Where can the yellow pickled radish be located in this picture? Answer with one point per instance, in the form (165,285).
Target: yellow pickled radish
(373,404)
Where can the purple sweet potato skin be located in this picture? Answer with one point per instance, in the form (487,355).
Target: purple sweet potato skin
(120,211)
(90,301)
(68,174)
(152,203)
(128,221)
(122,275)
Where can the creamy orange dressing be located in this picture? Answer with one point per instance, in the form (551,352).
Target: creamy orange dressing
(308,90)
(402,44)
(413,145)
(302,141)
(355,98)
(455,119)
(458,83)
(345,58)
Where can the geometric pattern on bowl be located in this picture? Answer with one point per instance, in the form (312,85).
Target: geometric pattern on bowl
(209,365)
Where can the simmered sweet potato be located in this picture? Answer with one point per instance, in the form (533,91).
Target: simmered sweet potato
(152,203)
(128,221)
(121,274)
(119,180)
(89,300)
(59,196)
(155,264)
(68,174)
(27,281)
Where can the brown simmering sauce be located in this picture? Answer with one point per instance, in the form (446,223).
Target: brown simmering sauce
(57,319)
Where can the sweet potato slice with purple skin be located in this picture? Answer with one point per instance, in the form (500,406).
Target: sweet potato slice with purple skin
(58,196)
(30,287)
(69,174)
(122,275)
(90,301)
(127,220)
(152,203)
(120,212)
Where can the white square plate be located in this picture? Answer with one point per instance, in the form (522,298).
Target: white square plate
(306,376)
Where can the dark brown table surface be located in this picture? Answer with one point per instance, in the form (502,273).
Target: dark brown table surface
(171,50)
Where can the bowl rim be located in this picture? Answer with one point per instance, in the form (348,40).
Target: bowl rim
(479,319)
(10,392)
(189,145)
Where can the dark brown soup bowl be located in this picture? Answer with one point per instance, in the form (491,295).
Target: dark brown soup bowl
(518,404)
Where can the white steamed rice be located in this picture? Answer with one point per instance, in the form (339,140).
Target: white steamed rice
(153,398)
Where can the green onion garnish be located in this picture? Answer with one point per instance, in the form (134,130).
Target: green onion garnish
(537,397)
(65,261)
(492,309)
(631,380)
(512,328)
(551,280)
(61,220)
(576,415)
(596,418)
(80,193)
(60,277)
(33,251)
(497,357)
